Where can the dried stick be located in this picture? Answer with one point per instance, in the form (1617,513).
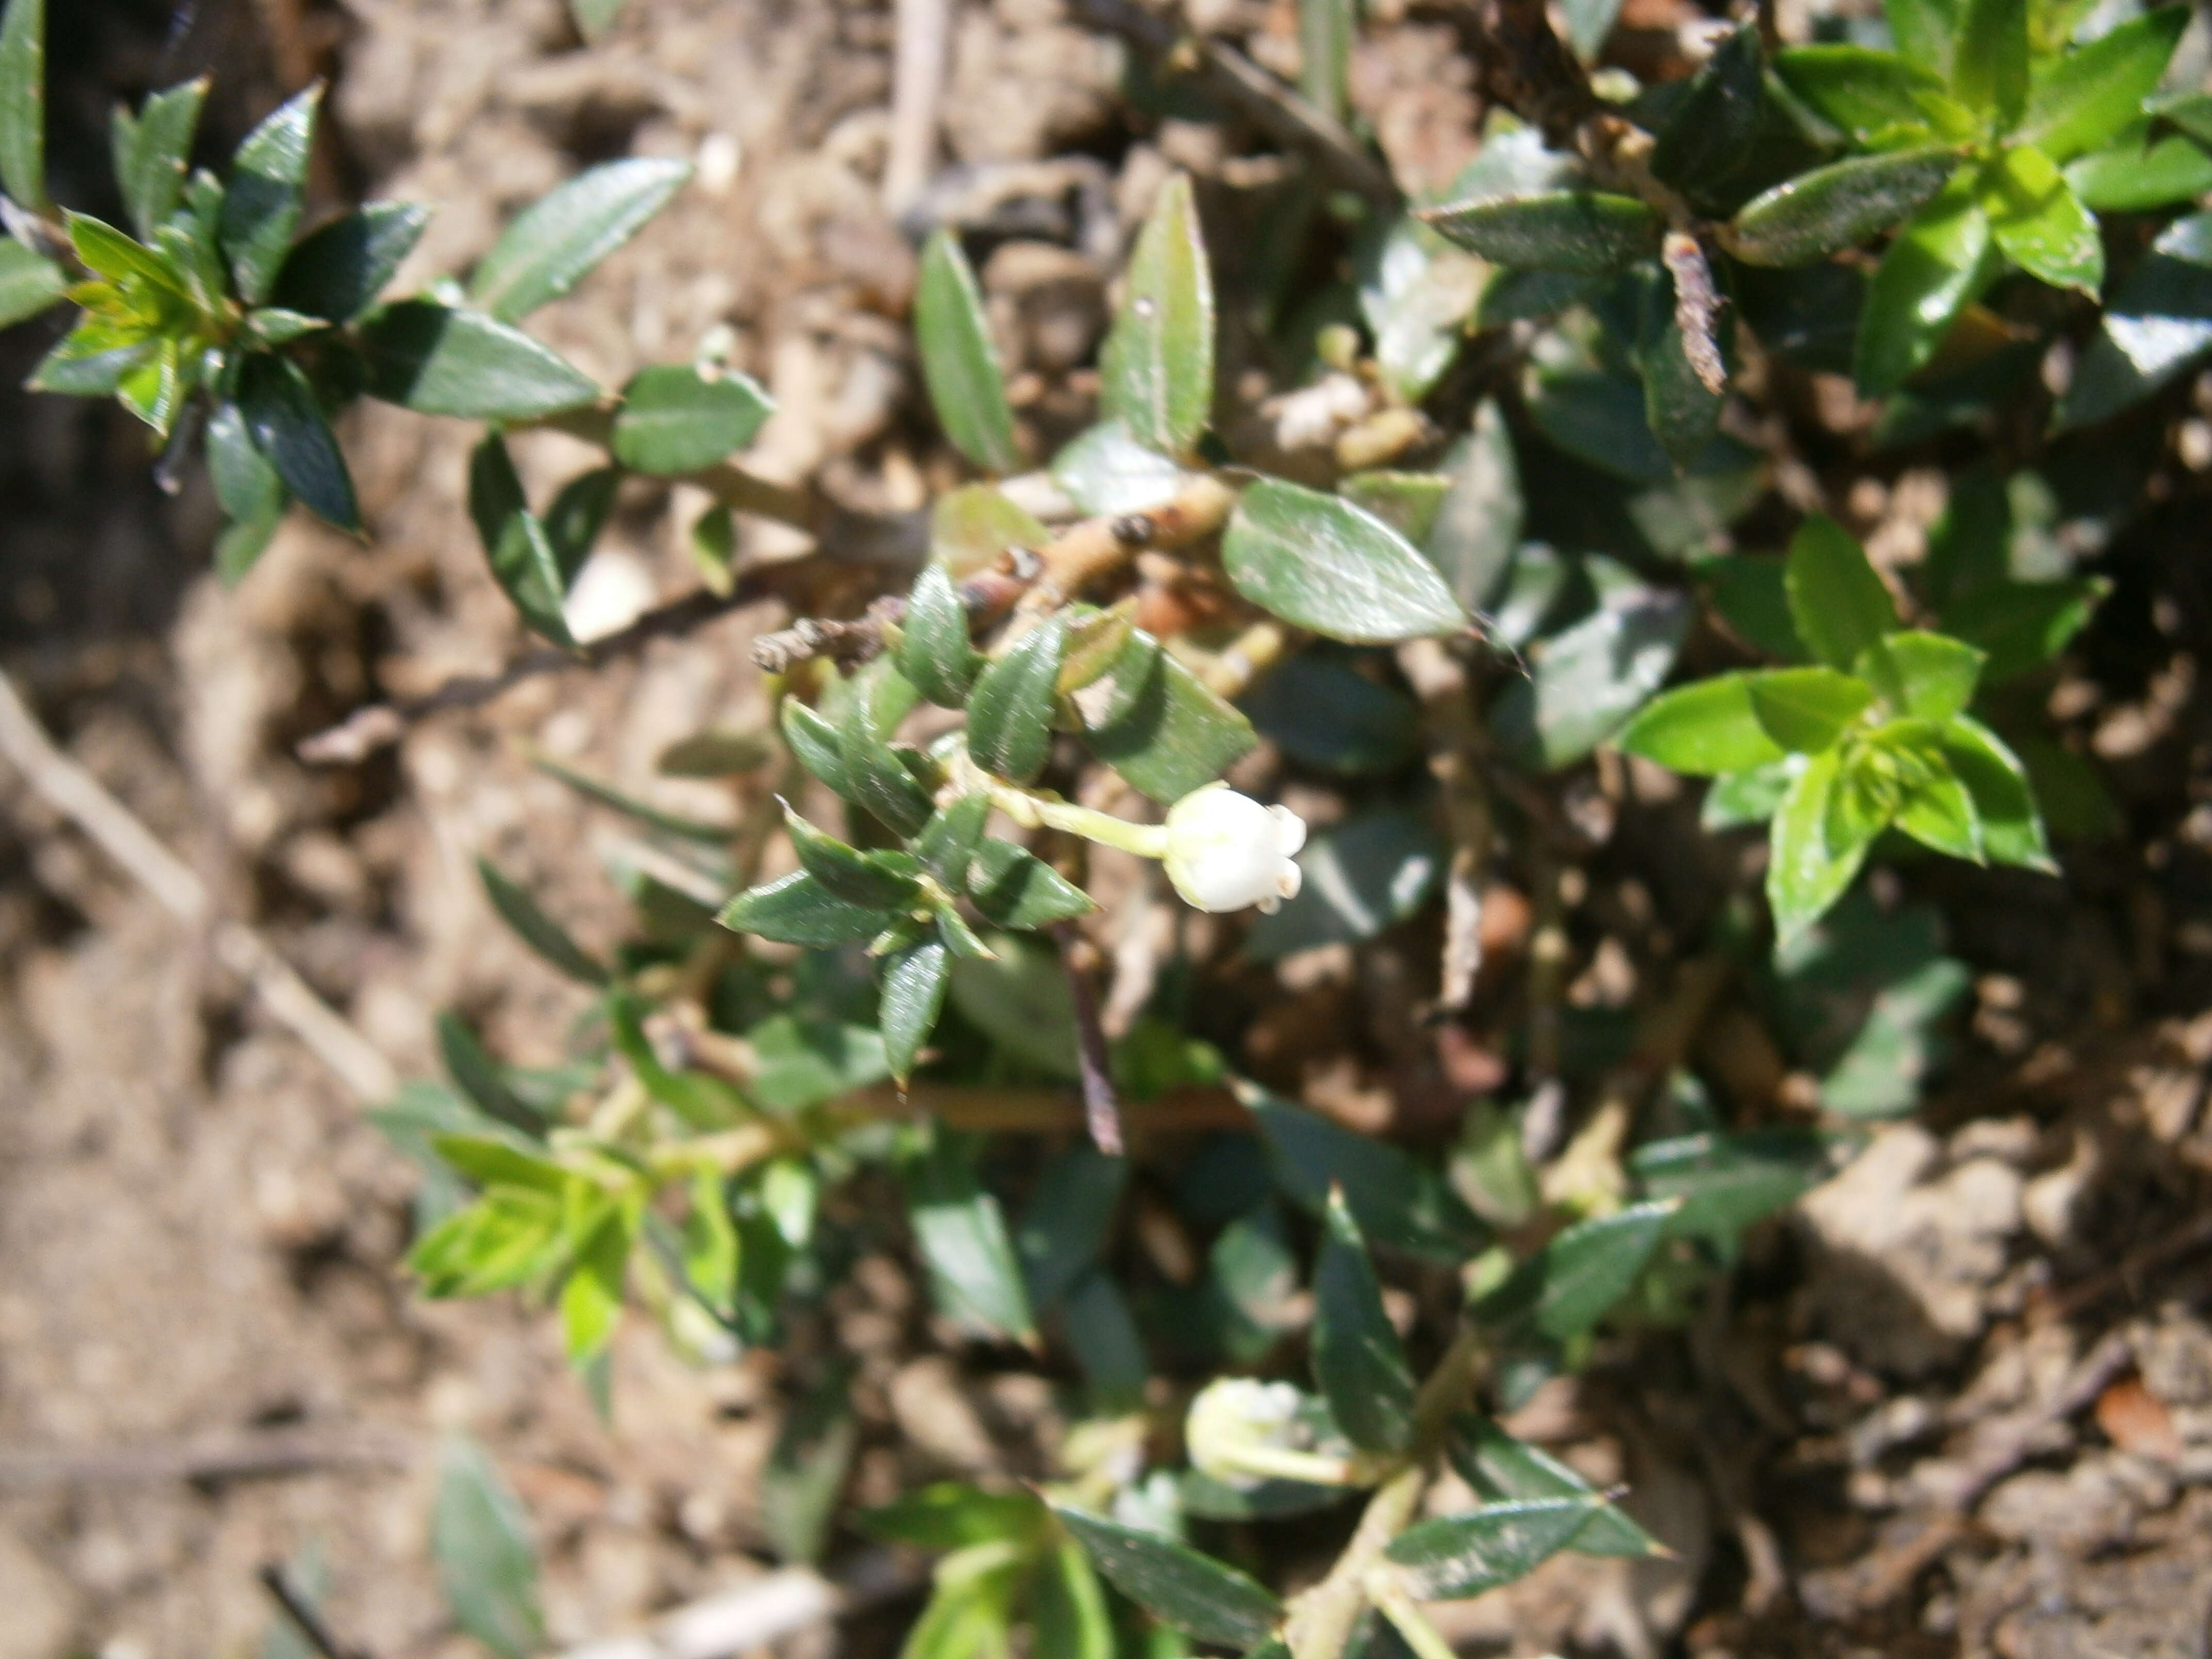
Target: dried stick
(303,1616)
(917,91)
(1274,108)
(1456,749)
(210,1457)
(1101,1107)
(81,798)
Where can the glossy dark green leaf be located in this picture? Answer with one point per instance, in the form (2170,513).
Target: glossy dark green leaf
(1010,711)
(2154,327)
(2040,224)
(1320,562)
(1990,71)
(1199,1596)
(247,486)
(1456,1556)
(1397,1201)
(958,362)
(1877,100)
(1068,1221)
(1585,682)
(2023,625)
(797,909)
(873,880)
(514,542)
(1323,712)
(2141,172)
(1359,1363)
(150,150)
(2004,803)
(945,846)
(2085,99)
(878,778)
(29,282)
(934,652)
(1837,601)
(520,912)
(1361,877)
(1016,889)
(487,1562)
(1154,722)
(1599,417)
(675,419)
(337,271)
(1157,367)
(1574,1281)
(914,981)
(1939,264)
(23,102)
(572,523)
(555,242)
(962,1236)
(1712,129)
(1815,851)
(1726,1182)
(813,741)
(437,361)
(1839,206)
(1568,230)
(287,425)
(1479,526)
(1498,1468)
(1703,729)
(262,197)
(1806,710)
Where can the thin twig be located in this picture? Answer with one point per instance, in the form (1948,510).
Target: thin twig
(1696,308)
(303,1616)
(1274,108)
(1455,749)
(208,1457)
(917,91)
(1101,1107)
(81,798)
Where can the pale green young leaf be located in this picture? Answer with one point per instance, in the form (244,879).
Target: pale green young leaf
(554,243)
(1157,367)
(29,282)
(1924,31)
(959,364)
(2140,172)
(1936,672)
(1990,71)
(1809,867)
(1940,263)
(1069,1607)
(2085,98)
(1806,709)
(2004,803)
(1838,600)
(1936,810)
(1703,729)
(1877,100)
(2040,224)
(592,1295)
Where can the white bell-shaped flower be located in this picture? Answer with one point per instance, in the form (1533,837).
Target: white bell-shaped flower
(1225,850)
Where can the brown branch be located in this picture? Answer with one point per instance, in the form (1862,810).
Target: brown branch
(1230,75)
(1697,308)
(1101,1107)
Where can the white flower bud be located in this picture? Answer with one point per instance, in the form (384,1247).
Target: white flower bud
(1225,850)
(1234,1418)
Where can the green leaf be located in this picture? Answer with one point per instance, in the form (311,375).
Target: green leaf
(1936,810)
(1746,798)
(934,652)
(1322,712)
(287,425)
(1681,411)
(1157,723)
(480,1538)
(1574,1281)
(875,881)
(1397,1201)
(261,200)
(1726,1182)
(337,271)
(478,1076)
(1836,599)
(2139,173)
(1320,562)
(1359,1363)
(2040,224)
(1106,471)
(1415,294)
(573,524)
(514,542)
(951,1515)
(1010,711)
(1567,230)
(1069,1220)
(23,102)
(1805,710)
(1751,594)
(29,282)
(671,823)
(554,243)
(2086,99)
(1069,1611)
(592,1295)
(150,151)
(1499,1468)
(1327,29)
(1590,679)
(1703,729)
(1157,367)
(1020,1002)
(1457,1556)
(972,528)
(107,251)
(813,741)
(806,1468)
(1877,100)
(247,486)
(1990,71)
(93,360)
(1477,529)
(962,1235)
(675,419)
(1107,1346)
(1361,877)
(1199,1596)
(1936,672)
(520,912)
(437,361)
(1711,132)
(2157,324)
(2004,803)
(1016,890)
(797,909)
(1924,31)
(1836,207)
(914,981)
(1408,501)
(1813,857)
(958,362)
(805,1062)
(2023,625)
(945,846)
(1938,265)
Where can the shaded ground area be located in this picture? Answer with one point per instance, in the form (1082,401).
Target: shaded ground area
(1905,1429)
